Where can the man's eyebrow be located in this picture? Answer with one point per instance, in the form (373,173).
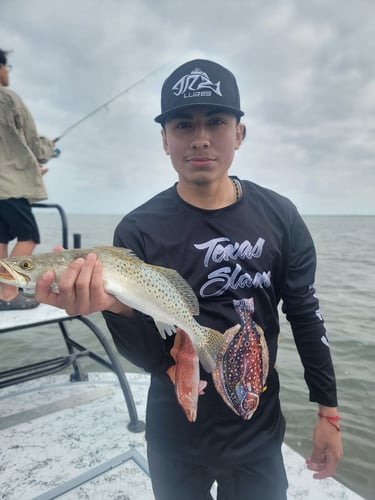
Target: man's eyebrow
(185,114)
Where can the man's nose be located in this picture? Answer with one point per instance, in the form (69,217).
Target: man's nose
(200,138)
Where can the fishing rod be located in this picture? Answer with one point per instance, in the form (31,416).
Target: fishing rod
(105,104)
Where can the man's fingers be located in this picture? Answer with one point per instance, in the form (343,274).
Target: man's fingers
(43,292)
(98,295)
(323,467)
(84,284)
(81,288)
(68,280)
(74,286)
(315,465)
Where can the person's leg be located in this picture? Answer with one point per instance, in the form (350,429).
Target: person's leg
(23,248)
(3,250)
(4,239)
(263,480)
(177,480)
(19,222)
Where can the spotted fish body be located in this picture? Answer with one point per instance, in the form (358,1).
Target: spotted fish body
(242,368)
(154,290)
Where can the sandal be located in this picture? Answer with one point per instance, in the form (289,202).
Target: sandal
(19,302)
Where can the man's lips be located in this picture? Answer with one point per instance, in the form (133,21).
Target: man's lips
(200,160)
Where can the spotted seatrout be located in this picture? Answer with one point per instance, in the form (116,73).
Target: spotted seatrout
(156,291)
(242,368)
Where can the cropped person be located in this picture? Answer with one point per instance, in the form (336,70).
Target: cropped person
(230,239)
(22,157)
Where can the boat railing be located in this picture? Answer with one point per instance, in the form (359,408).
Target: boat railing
(63,219)
(64,223)
(12,321)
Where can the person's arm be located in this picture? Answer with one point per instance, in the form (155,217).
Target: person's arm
(301,306)
(138,340)
(327,443)
(41,147)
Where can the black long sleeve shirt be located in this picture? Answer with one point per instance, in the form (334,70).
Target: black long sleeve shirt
(257,248)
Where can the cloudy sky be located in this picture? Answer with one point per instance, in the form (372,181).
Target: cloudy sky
(306,72)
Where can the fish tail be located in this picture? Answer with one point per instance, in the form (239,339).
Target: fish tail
(210,347)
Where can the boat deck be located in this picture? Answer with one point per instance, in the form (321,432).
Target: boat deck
(71,440)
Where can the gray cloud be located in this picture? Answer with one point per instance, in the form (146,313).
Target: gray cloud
(305,71)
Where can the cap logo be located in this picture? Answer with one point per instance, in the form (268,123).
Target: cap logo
(196,84)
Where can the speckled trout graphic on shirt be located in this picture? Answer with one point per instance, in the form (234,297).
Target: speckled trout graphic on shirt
(242,368)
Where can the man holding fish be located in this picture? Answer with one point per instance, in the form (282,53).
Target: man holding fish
(238,249)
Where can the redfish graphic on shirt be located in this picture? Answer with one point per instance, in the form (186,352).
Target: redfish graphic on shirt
(242,368)
(184,374)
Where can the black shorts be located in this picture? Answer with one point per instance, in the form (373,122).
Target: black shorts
(17,221)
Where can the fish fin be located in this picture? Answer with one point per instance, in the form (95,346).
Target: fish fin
(210,349)
(171,372)
(182,286)
(117,251)
(201,387)
(165,329)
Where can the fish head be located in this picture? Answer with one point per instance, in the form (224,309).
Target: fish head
(24,271)
(17,271)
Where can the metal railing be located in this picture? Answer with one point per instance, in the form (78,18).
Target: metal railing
(75,350)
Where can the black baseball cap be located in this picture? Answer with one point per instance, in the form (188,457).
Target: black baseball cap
(199,83)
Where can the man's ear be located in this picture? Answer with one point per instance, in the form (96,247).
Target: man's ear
(240,134)
(165,142)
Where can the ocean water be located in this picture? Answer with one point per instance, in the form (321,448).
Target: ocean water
(346,287)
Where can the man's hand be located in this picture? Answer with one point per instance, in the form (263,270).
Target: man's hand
(327,450)
(81,289)
(43,169)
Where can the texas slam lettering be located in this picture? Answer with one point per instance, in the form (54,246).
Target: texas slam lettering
(219,250)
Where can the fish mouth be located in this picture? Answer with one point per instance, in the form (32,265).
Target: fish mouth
(13,277)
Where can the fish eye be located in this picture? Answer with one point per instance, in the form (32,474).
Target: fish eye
(26,265)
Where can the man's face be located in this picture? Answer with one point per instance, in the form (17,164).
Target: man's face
(201,142)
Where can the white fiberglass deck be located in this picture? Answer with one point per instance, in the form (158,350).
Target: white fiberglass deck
(58,435)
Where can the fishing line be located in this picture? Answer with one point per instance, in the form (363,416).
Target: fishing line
(105,104)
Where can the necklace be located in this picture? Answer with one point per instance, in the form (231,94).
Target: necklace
(237,189)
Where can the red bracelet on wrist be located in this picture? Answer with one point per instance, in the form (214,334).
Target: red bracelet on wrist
(332,419)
